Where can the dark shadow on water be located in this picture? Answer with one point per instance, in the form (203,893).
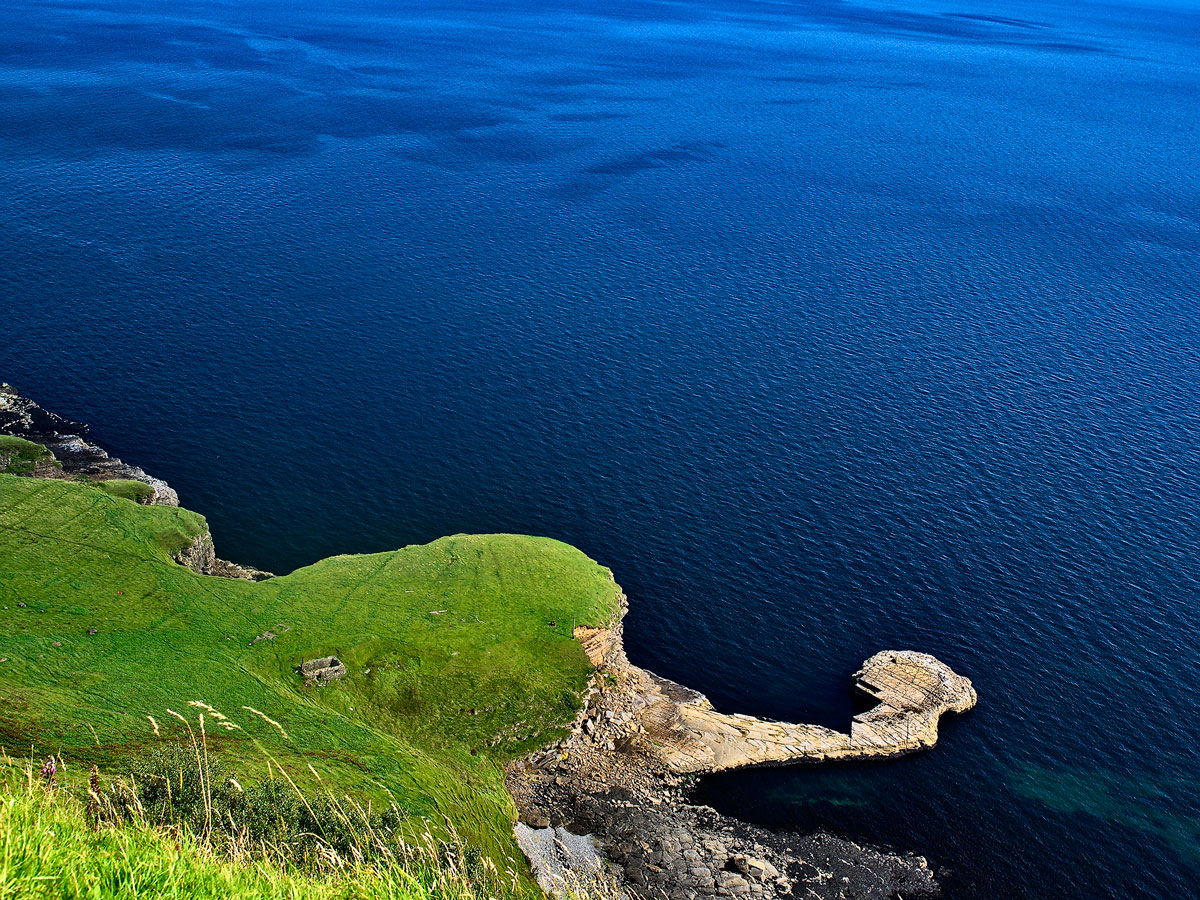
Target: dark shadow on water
(603,175)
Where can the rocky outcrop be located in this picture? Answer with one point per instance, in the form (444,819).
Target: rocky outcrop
(624,772)
(680,728)
(201,557)
(67,441)
(913,691)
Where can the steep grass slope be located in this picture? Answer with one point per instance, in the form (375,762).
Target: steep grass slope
(460,652)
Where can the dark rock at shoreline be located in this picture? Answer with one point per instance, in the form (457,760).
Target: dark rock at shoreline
(616,776)
(664,846)
(67,440)
(80,458)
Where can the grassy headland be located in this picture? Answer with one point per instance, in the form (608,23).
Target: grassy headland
(460,653)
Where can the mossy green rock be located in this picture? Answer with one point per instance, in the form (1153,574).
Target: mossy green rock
(21,457)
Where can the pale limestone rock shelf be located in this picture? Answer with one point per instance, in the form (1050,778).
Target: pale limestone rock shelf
(913,690)
(624,773)
(687,735)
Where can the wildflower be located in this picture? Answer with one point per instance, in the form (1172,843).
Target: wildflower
(49,770)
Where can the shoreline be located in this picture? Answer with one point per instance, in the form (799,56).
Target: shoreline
(67,440)
(22,417)
(626,772)
(622,778)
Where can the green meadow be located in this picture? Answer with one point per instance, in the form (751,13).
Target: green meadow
(51,850)
(460,654)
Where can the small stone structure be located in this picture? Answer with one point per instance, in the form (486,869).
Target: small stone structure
(323,670)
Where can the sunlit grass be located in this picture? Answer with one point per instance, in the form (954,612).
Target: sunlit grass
(460,654)
(55,844)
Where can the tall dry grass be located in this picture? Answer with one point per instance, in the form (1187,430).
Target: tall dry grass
(180,831)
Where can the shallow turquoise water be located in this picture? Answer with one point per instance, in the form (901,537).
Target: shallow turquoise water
(829,327)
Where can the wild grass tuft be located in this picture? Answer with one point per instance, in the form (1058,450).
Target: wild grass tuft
(182,825)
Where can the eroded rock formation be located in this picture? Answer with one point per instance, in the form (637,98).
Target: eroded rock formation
(201,557)
(22,417)
(679,727)
(914,690)
(625,771)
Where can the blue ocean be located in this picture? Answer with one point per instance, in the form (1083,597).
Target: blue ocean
(830,326)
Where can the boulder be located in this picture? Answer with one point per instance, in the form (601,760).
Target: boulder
(752,867)
(566,865)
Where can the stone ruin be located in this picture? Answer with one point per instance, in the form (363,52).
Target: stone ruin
(323,670)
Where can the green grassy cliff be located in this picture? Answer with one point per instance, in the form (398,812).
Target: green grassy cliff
(21,457)
(460,653)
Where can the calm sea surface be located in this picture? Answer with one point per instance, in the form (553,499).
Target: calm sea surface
(830,326)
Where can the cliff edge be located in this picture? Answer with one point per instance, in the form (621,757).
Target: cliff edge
(625,772)
(67,441)
(74,457)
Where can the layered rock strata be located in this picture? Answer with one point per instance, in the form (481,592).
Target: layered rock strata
(625,771)
(913,691)
(201,557)
(67,440)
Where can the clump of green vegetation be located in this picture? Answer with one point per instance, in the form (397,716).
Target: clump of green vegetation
(177,785)
(460,654)
(137,491)
(56,842)
(21,457)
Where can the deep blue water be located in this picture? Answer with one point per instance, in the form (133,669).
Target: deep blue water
(829,326)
